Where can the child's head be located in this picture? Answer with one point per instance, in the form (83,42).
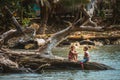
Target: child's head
(85,48)
(72,47)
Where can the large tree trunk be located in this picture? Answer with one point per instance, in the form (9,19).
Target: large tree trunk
(12,62)
(44,17)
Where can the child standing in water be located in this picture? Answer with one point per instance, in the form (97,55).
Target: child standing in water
(72,54)
(86,57)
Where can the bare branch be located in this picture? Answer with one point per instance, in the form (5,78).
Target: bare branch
(17,25)
(91,22)
(90,28)
(55,40)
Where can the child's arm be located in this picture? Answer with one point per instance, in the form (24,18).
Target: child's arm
(75,53)
(86,54)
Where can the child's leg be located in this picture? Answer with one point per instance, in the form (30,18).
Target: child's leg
(75,57)
(82,66)
(81,62)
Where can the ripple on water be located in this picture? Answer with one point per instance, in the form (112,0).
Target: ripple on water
(66,75)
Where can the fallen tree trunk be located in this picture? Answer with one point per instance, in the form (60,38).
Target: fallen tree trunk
(19,62)
(13,33)
(92,37)
(7,65)
(56,64)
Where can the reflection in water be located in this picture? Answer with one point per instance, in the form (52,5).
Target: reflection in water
(109,55)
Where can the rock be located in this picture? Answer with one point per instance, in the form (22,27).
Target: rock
(40,42)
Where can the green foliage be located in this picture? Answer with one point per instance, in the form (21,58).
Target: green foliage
(25,22)
(20,10)
(23,7)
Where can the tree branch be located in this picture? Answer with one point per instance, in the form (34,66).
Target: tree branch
(55,40)
(12,33)
(17,25)
(88,28)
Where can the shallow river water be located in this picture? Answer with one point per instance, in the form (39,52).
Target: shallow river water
(109,55)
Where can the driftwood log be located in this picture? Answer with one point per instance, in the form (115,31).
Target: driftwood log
(20,62)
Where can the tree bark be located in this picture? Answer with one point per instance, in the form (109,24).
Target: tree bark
(17,25)
(44,15)
(11,62)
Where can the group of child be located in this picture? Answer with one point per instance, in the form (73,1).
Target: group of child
(73,55)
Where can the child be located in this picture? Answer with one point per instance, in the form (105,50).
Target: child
(86,57)
(72,54)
